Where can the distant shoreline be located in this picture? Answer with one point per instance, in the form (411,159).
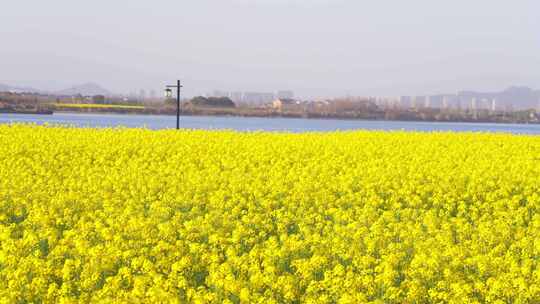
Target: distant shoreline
(28,112)
(268,113)
(188,114)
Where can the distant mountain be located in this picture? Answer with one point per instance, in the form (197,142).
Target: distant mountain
(520,98)
(8,88)
(87,89)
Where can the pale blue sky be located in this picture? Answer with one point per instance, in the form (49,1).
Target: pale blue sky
(314,47)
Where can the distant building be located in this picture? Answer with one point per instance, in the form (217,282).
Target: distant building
(282,104)
(267,97)
(445,103)
(521,98)
(493,105)
(236,96)
(258,98)
(418,102)
(473,103)
(413,102)
(427,102)
(142,95)
(285,94)
(485,104)
(434,101)
(405,101)
(251,97)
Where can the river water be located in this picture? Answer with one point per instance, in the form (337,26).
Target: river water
(258,124)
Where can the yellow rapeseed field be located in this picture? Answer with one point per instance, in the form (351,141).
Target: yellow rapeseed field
(95,106)
(133,215)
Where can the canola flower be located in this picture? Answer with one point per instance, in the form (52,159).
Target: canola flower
(95,106)
(133,215)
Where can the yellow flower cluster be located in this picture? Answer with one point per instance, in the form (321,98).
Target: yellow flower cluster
(95,106)
(133,215)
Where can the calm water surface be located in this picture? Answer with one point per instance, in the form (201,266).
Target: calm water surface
(256,124)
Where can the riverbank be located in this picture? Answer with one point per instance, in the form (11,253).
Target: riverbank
(411,115)
(32,112)
(405,115)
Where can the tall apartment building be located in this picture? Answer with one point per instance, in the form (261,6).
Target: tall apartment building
(413,102)
(493,105)
(405,101)
(427,102)
(142,94)
(445,103)
(473,104)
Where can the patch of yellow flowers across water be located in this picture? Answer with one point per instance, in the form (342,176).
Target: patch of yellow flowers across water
(134,215)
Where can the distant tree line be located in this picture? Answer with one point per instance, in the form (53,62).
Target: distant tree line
(214,102)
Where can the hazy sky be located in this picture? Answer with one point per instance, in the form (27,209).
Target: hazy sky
(314,47)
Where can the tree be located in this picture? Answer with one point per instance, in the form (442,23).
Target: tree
(218,102)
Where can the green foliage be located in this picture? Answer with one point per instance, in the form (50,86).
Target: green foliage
(218,102)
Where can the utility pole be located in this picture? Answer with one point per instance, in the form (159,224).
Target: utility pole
(168,94)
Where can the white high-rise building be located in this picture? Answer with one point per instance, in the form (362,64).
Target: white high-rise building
(445,102)
(427,102)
